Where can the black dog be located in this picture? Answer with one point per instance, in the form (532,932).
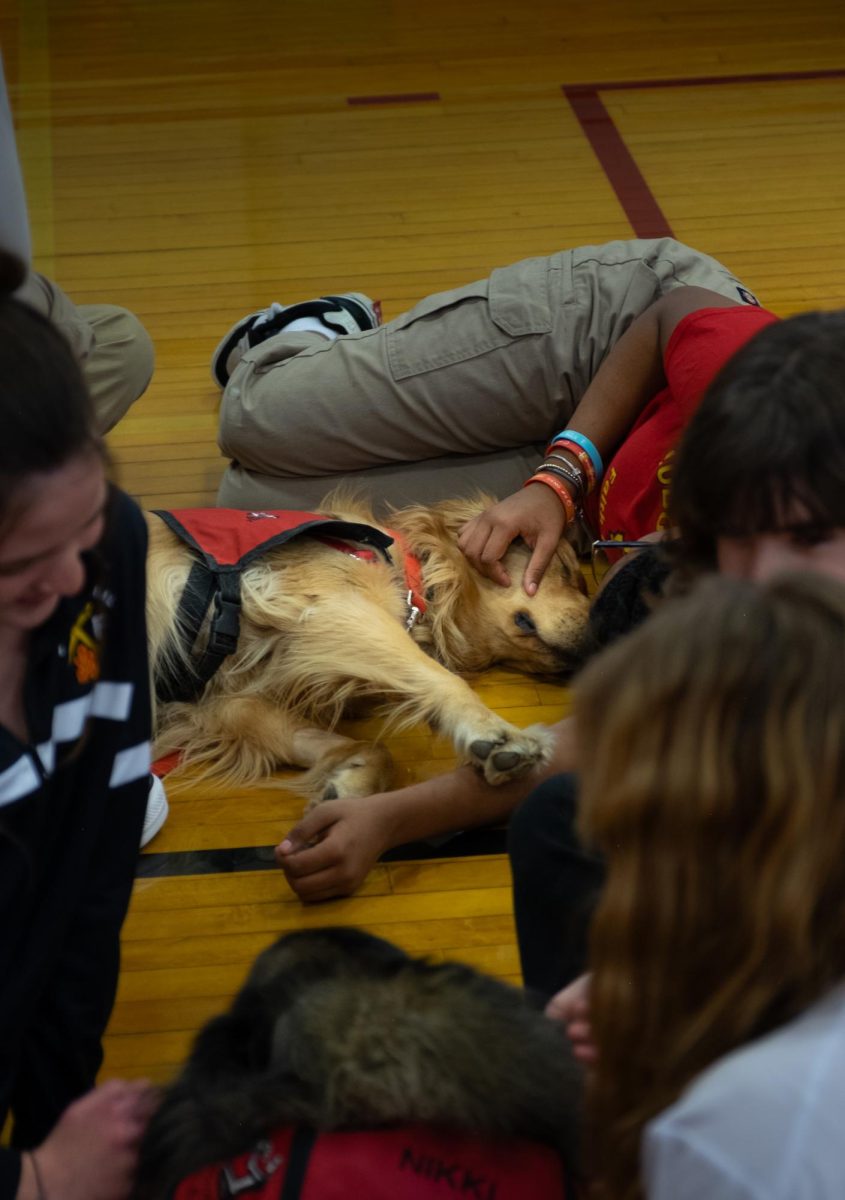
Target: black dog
(338,1030)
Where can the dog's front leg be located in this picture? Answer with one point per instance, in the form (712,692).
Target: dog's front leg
(356,640)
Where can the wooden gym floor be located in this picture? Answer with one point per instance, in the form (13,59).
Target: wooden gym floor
(195,159)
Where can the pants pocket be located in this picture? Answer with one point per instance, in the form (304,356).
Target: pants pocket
(469,321)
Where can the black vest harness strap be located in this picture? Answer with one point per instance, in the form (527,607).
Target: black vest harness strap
(225,541)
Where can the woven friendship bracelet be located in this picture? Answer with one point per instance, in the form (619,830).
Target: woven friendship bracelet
(560,491)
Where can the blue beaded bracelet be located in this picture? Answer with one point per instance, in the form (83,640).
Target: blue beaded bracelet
(584,442)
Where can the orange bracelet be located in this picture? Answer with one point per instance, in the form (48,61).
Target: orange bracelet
(559,490)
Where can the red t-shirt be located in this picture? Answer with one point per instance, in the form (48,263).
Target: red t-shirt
(408,1163)
(633,498)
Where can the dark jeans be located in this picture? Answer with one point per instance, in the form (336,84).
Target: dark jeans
(555,886)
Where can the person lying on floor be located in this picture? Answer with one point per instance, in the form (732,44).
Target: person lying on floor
(745,499)
(462,393)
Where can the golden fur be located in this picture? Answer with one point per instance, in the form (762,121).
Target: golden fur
(321,629)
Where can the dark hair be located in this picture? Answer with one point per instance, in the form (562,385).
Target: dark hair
(45,411)
(767,439)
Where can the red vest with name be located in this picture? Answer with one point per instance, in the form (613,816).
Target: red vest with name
(407,1163)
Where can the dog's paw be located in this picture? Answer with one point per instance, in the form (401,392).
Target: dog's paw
(361,769)
(510,752)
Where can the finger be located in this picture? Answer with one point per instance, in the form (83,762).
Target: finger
(473,540)
(579,1031)
(324,885)
(310,829)
(146,1102)
(496,571)
(322,857)
(487,557)
(539,561)
(556,1011)
(586,1054)
(467,533)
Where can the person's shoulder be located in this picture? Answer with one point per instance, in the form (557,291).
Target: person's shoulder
(126,528)
(734,322)
(768,1110)
(119,564)
(124,510)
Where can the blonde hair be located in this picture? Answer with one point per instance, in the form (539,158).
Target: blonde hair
(713,768)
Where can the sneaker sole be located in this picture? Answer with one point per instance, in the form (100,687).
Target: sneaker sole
(154,823)
(361,308)
(225,347)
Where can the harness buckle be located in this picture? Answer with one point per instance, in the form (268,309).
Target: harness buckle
(414,613)
(226,621)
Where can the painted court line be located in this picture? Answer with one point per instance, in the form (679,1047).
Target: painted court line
(472,843)
(626,85)
(397,98)
(619,165)
(625,177)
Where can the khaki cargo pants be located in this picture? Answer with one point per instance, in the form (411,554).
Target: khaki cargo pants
(459,394)
(109,343)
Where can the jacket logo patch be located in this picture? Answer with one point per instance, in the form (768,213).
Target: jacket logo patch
(83,649)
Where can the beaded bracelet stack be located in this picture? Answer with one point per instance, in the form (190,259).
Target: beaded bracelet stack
(571,483)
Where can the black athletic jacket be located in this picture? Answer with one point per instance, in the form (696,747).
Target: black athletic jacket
(72,806)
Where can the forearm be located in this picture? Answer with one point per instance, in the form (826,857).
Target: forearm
(462,799)
(633,371)
(631,374)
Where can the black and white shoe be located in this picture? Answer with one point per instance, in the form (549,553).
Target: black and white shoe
(157,810)
(350,313)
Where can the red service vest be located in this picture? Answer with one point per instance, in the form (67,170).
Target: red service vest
(413,1162)
(225,541)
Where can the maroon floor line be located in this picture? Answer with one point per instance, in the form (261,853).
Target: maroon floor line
(398,98)
(636,197)
(622,85)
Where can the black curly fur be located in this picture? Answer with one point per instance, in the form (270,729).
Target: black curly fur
(338,1029)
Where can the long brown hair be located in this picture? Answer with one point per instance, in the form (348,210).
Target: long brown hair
(713,767)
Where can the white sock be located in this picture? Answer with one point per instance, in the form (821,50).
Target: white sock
(309,325)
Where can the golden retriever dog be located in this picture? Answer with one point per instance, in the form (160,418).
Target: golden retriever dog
(336,1030)
(322,629)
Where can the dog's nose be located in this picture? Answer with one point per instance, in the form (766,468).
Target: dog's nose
(569,659)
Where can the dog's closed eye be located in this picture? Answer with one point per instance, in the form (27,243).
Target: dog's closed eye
(525,622)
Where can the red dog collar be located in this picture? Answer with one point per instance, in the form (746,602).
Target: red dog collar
(413,581)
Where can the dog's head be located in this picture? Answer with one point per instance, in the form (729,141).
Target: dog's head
(337,1029)
(475,623)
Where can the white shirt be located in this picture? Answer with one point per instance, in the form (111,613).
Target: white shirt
(766,1122)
